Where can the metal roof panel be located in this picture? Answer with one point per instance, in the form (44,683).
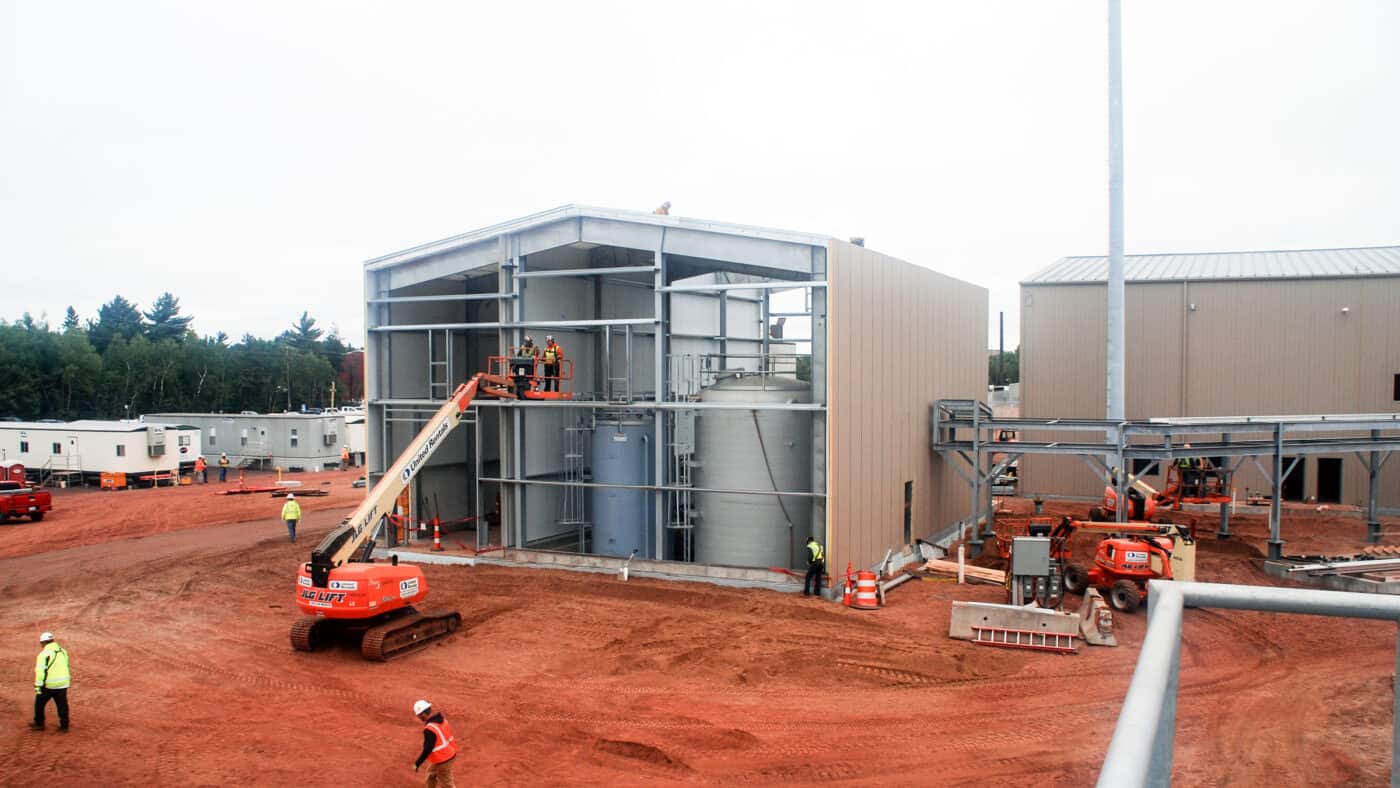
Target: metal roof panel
(1282,264)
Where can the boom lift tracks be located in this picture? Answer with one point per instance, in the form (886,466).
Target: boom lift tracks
(343,591)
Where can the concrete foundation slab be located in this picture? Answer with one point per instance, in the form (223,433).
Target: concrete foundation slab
(742,577)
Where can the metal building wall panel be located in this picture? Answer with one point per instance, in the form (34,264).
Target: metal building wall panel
(1261,347)
(901,336)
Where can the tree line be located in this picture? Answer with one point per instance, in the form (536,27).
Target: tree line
(126,361)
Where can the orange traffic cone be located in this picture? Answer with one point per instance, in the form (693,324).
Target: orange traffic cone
(437,536)
(846,588)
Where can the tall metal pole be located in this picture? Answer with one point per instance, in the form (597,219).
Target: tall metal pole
(1001,348)
(1115,212)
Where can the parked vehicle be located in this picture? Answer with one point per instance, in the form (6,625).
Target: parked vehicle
(17,500)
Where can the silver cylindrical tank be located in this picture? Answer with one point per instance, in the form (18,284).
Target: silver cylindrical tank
(621,455)
(753,450)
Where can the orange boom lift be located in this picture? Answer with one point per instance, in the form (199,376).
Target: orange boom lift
(342,590)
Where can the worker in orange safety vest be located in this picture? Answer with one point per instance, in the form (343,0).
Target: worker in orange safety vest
(439,746)
(553,355)
(201,469)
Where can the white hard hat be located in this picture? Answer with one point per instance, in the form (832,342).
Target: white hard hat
(549,338)
(421,706)
(291,496)
(46,637)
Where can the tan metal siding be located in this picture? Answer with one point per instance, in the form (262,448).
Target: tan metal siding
(900,336)
(1251,348)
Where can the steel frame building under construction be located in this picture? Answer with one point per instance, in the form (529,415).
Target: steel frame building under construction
(690,434)
(967,430)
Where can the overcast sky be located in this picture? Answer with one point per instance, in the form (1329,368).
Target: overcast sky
(249,157)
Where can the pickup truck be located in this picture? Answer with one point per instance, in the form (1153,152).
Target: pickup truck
(16,500)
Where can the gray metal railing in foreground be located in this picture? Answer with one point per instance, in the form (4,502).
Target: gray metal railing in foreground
(1140,753)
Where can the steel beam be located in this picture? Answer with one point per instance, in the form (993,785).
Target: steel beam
(446,297)
(783,285)
(560,272)
(660,488)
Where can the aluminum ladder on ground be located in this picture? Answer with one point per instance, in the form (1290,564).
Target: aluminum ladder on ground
(1005,637)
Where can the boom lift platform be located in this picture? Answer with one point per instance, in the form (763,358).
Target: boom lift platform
(342,590)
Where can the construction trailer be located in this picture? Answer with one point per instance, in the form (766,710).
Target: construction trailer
(355,436)
(291,441)
(729,390)
(1289,333)
(78,452)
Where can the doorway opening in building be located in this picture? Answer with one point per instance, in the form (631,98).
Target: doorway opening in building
(1329,480)
(1292,487)
(908,512)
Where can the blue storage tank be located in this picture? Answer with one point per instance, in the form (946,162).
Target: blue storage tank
(622,518)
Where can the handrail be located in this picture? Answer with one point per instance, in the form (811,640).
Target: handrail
(1140,753)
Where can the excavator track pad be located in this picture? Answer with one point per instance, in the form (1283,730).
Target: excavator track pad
(309,633)
(407,633)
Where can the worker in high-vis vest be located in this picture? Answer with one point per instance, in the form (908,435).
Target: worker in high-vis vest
(291,513)
(439,746)
(552,356)
(816,567)
(50,682)
(344,457)
(201,469)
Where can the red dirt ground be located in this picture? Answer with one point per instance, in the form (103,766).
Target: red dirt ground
(183,674)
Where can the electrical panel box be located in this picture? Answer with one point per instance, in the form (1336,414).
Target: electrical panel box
(683,435)
(1030,556)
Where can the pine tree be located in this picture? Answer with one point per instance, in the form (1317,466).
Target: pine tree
(165,320)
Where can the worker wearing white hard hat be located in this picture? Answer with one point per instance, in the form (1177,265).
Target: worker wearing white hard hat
(51,680)
(291,515)
(439,746)
(344,457)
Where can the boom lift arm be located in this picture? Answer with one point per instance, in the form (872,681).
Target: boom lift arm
(356,533)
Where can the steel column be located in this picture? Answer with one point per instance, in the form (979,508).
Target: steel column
(1373,526)
(1276,503)
(1224,531)
(659,396)
(976,462)
(517,454)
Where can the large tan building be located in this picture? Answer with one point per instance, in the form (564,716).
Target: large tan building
(1220,334)
(691,435)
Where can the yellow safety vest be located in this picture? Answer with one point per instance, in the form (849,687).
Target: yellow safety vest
(291,510)
(529,351)
(551,354)
(816,549)
(51,668)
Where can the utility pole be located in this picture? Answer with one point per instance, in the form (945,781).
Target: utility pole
(1115,212)
(1001,348)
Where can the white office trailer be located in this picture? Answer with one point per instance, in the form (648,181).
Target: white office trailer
(290,441)
(78,452)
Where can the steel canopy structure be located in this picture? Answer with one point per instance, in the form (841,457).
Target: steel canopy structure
(967,428)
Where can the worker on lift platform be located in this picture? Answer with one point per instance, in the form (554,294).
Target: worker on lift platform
(553,356)
(522,365)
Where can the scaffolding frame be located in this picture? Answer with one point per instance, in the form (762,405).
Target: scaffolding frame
(963,429)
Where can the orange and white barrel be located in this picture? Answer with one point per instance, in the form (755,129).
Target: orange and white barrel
(437,537)
(867,592)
